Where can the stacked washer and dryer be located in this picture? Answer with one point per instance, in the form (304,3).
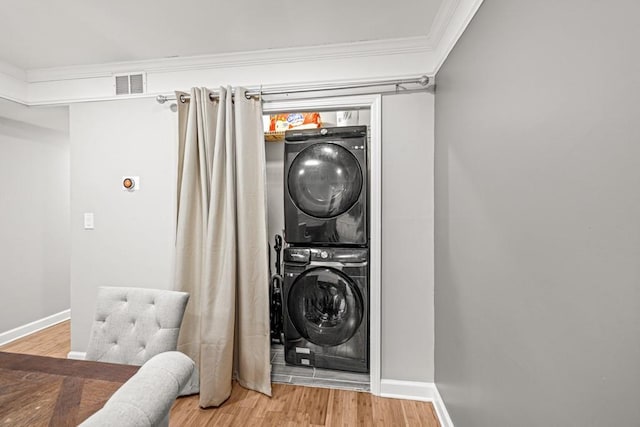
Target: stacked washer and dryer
(326,262)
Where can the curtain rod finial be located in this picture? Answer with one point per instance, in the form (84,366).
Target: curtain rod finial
(161,99)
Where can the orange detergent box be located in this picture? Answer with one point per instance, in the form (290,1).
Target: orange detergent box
(283,122)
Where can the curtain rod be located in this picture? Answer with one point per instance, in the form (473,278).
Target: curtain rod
(422,81)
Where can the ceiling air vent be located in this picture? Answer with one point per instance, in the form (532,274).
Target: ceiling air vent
(131,83)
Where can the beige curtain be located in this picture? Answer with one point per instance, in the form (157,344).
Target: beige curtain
(221,243)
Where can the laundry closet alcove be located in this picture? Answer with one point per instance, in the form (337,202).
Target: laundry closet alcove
(372,103)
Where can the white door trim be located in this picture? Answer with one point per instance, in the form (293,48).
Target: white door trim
(374,104)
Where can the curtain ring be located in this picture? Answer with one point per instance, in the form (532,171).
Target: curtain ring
(183,98)
(260,94)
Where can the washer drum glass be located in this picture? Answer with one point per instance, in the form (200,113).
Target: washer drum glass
(325,306)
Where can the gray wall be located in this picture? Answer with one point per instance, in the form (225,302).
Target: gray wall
(132,243)
(538,216)
(407,237)
(34,218)
(133,240)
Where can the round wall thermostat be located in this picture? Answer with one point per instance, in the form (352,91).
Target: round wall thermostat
(130,183)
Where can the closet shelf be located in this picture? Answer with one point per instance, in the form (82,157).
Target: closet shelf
(274,136)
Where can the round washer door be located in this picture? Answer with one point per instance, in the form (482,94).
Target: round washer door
(325,180)
(325,306)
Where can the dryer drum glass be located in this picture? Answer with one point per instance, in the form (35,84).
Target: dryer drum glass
(325,180)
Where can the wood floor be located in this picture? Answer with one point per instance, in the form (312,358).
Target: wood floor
(54,342)
(289,406)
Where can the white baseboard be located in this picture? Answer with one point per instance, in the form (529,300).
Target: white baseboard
(77,355)
(29,328)
(441,410)
(413,390)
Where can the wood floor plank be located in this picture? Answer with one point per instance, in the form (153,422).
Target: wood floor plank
(54,341)
(316,404)
(387,412)
(417,414)
(290,405)
(185,412)
(342,409)
(365,411)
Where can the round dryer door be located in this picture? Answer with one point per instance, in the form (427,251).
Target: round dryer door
(325,306)
(324,180)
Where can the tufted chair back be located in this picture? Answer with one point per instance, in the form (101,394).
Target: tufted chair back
(132,325)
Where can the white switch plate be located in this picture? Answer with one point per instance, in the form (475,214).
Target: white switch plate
(88,221)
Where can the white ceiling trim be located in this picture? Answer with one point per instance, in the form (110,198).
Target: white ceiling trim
(238,59)
(13,84)
(12,71)
(362,60)
(441,22)
(460,18)
(424,45)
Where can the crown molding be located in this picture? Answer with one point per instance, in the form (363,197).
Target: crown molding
(12,71)
(460,16)
(13,85)
(441,22)
(411,45)
(352,61)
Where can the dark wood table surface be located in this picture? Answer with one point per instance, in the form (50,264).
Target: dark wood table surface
(47,391)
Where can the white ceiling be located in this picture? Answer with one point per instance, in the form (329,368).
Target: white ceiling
(44,33)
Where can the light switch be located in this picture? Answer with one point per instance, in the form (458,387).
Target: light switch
(88,220)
